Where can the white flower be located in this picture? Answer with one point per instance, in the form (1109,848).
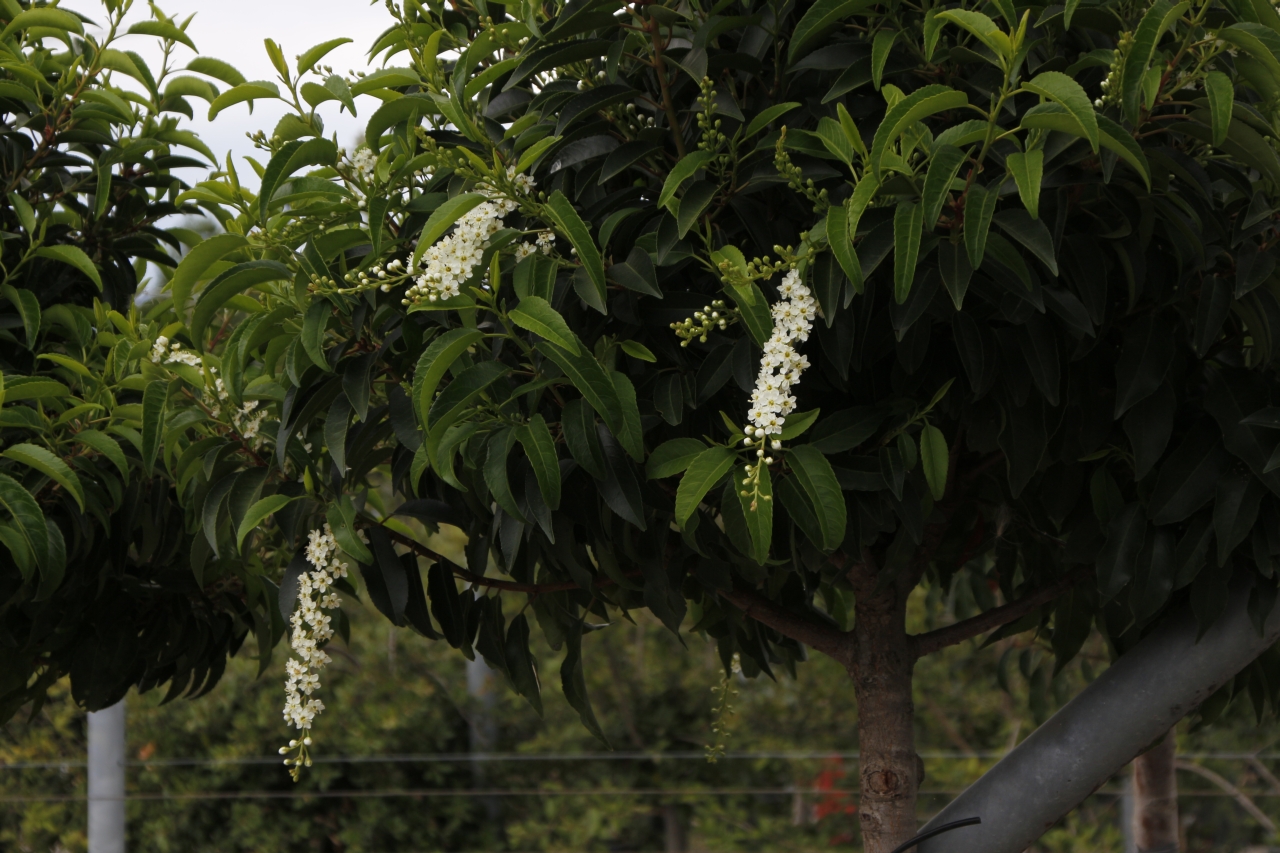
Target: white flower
(781,366)
(365,161)
(311,627)
(450,262)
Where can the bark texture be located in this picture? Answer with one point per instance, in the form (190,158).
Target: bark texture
(1155,798)
(881,669)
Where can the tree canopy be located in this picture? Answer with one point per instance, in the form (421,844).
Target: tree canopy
(756,315)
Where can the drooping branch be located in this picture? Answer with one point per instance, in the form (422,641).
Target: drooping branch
(996,617)
(471,577)
(813,633)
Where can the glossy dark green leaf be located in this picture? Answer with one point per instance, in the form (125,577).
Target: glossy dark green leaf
(1149,425)
(1039,344)
(1192,552)
(1187,479)
(357,383)
(620,487)
(693,203)
(756,503)
(336,423)
(153,411)
(908,222)
(980,205)
(637,273)
(538,445)
(521,666)
(386,579)
(1144,359)
(1126,535)
(700,477)
(1032,233)
(1235,508)
(579,424)
(495,472)
(814,475)
(574,683)
(943,167)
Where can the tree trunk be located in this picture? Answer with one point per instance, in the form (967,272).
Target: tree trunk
(881,671)
(1155,798)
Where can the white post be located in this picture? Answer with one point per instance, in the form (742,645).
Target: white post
(106,780)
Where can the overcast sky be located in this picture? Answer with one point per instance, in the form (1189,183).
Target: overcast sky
(233,31)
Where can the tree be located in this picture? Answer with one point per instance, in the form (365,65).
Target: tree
(982,297)
(94,579)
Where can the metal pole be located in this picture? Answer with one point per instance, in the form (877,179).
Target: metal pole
(1158,682)
(106,780)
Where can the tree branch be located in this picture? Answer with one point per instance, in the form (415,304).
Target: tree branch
(996,617)
(510,586)
(824,638)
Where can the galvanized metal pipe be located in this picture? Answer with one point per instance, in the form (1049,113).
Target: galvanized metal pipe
(1158,682)
(106,780)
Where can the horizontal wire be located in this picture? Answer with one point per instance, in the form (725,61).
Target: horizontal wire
(439,793)
(480,757)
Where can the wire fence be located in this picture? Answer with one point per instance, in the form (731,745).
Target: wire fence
(681,792)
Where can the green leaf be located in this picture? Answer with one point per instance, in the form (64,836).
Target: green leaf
(465,388)
(571,225)
(1222,96)
(259,511)
(754,311)
(43,17)
(841,244)
(28,306)
(315,54)
(920,104)
(1154,22)
(979,206)
(578,422)
(692,204)
(1028,171)
(819,483)
(757,511)
(291,157)
(908,225)
(239,94)
(672,457)
(197,261)
(520,663)
(1031,233)
(536,315)
(983,28)
(166,30)
(935,459)
(631,432)
(943,167)
(850,130)
(880,47)
(34,456)
(818,21)
(681,172)
(797,423)
(392,113)
(153,406)
(1145,357)
(1187,479)
(592,382)
(314,324)
(73,256)
(1069,12)
(538,445)
(216,69)
(236,280)
(435,361)
(574,683)
(107,446)
(336,423)
(1118,559)
(495,472)
(341,516)
(1063,90)
(702,475)
(28,520)
(635,349)
(767,116)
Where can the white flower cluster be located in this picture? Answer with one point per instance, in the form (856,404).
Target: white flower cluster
(164,352)
(365,161)
(546,240)
(247,419)
(781,366)
(311,630)
(453,259)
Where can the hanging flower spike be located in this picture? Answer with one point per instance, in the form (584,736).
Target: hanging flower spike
(311,630)
(780,369)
